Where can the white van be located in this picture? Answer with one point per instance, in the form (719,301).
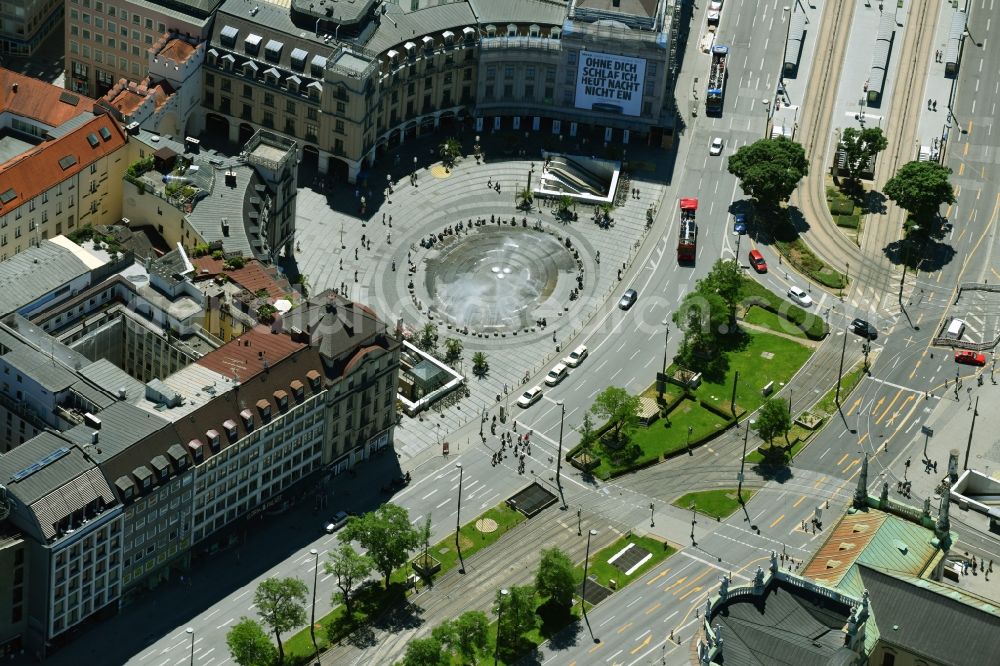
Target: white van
(956,328)
(556,374)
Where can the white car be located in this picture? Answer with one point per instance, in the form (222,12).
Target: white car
(576,356)
(800,296)
(716,147)
(530,397)
(556,374)
(338,521)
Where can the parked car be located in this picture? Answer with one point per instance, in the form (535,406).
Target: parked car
(339,520)
(757,261)
(956,328)
(716,147)
(739,224)
(864,329)
(970,357)
(530,397)
(556,374)
(576,356)
(628,299)
(799,295)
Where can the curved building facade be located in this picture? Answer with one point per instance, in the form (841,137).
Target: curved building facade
(351,81)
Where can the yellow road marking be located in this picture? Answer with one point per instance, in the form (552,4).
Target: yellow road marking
(966,151)
(851,464)
(894,399)
(694,580)
(597,646)
(777,520)
(653,607)
(860,442)
(649,637)
(821,480)
(901,408)
(624,627)
(961,167)
(878,404)
(855,405)
(841,461)
(658,576)
(798,501)
(696,588)
(994,271)
(676,583)
(969,131)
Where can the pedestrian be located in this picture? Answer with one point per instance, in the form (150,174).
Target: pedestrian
(355,254)
(393,265)
(341,263)
(383,218)
(355,276)
(489,183)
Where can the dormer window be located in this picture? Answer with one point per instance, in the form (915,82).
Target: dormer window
(449,38)
(314,90)
(264,407)
(468,34)
(428,43)
(411,50)
(281,399)
(511,30)
(298,60)
(298,390)
(554,33)
(195,447)
(272,75)
(212,55)
(272,52)
(230,427)
(316,67)
(227,36)
(313,378)
(293,82)
(534,30)
(252,44)
(247,417)
(250,69)
(491,30)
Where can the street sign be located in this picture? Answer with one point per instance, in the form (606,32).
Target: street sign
(924,430)
(444,448)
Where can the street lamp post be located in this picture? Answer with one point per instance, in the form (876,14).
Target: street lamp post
(651,523)
(786,12)
(190,632)
(690,452)
(458,518)
(666,341)
(562,418)
(312,623)
(743,460)
(583,594)
(496,652)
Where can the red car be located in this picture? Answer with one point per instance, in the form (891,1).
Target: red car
(757,261)
(970,358)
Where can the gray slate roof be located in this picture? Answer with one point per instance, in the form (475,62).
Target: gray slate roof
(401,27)
(552,12)
(110,377)
(31,274)
(789,627)
(122,425)
(930,624)
(226,202)
(51,375)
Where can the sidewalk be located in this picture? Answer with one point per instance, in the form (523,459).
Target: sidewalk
(787,104)
(933,128)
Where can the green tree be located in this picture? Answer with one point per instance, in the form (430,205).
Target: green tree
(281,604)
(726,280)
(588,436)
(467,635)
(424,652)
(427,339)
(859,147)
(450,150)
(350,568)
(769,169)
(619,408)
(386,534)
(452,349)
(516,614)
(921,188)
(425,536)
(703,318)
(773,419)
(524,197)
(249,644)
(480,364)
(555,578)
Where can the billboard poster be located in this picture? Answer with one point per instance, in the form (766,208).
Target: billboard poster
(610,83)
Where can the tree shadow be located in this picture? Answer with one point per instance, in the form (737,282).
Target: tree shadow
(400,617)
(773,471)
(926,253)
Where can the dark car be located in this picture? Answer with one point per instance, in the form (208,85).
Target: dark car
(739,224)
(628,299)
(864,329)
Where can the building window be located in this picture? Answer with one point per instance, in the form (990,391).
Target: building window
(312,113)
(339,127)
(290,107)
(268,120)
(269,99)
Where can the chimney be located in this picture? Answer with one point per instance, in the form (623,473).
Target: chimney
(13,87)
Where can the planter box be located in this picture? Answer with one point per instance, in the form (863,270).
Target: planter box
(426,568)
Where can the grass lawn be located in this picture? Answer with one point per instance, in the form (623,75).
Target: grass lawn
(602,572)
(552,621)
(799,255)
(471,539)
(843,209)
(768,319)
(756,370)
(718,503)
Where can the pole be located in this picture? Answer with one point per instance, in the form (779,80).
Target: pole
(666,340)
(840,373)
(968,446)
(562,418)
(583,596)
(743,460)
(312,623)
(496,652)
(458,519)
(651,523)
(690,452)
(788,26)
(190,632)
(579,522)
(901,279)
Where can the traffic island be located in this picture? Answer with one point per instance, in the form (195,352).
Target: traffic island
(719,503)
(624,561)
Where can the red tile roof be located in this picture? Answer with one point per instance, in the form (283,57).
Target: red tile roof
(177,50)
(52,162)
(128,102)
(244,357)
(252,276)
(40,101)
